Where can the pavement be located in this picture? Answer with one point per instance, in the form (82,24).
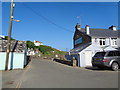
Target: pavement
(51,74)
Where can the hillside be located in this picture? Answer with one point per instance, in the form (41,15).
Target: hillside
(45,50)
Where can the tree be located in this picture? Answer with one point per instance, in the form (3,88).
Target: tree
(6,38)
(30,44)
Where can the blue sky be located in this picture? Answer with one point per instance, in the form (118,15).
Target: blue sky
(54,23)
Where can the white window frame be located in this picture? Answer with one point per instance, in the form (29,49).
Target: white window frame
(102,41)
(114,41)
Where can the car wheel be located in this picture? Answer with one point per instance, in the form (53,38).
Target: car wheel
(115,66)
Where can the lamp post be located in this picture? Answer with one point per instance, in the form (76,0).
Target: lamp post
(9,34)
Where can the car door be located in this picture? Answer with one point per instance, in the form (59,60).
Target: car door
(118,54)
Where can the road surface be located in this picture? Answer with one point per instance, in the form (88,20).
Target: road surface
(51,74)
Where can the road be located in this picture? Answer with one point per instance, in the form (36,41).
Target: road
(51,74)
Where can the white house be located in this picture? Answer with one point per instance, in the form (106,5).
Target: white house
(30,51)
(38,43)
(2,37)
(89,41)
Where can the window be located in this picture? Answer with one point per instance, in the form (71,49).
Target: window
(102,41)
(117,53)
(95,39)
(114,41)
(111,53)
(100,54)
(114,53)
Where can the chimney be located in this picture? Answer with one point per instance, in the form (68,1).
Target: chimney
(113,28)
(87,29)
(77,26)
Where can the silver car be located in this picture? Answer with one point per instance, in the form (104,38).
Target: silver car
(107,59)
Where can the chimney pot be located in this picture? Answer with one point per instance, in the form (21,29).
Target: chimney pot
(113,28)
(77,26)
(87,29)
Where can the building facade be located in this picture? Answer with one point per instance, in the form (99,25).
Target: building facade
(17,56)
(88,41)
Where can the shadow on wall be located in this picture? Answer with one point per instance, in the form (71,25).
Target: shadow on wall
(27,61)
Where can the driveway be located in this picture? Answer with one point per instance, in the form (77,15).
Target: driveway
(50,74)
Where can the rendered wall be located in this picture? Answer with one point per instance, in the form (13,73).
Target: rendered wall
(16,60)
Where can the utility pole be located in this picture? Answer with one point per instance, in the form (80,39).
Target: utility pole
(9,34)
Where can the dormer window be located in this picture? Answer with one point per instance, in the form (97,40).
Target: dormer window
(114,41)
(102,41)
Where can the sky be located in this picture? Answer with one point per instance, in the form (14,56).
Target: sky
(53,23)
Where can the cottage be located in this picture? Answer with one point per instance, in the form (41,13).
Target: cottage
(37,43)
(17,57)
(2,37)
(89,41)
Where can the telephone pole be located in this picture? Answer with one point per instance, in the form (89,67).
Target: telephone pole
(9,34)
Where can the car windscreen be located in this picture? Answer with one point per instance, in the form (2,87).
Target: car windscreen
(100,54)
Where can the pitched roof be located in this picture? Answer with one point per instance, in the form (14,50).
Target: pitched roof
(101,32)
(16,46)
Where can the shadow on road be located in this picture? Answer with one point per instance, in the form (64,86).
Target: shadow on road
(97,69)
(69,63)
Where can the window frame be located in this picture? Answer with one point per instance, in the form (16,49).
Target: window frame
(114,41)
(102,41)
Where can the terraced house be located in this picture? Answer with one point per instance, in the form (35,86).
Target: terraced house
(87,41)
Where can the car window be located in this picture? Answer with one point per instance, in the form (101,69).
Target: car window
(118,53)
(114,53)
(100,54)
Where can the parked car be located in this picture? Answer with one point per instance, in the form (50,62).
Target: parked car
(109,59)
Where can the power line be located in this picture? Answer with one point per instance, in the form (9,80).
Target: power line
(93,4)
(48,20)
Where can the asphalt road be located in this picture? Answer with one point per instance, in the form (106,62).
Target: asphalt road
(50,74)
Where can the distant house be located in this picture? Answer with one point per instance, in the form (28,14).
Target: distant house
(30,52)
(38,43)
(2,37)
(88,41)
(17,57)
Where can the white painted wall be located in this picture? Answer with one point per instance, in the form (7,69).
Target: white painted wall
(94,47)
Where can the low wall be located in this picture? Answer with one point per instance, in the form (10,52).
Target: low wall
(16,60)
(66,62)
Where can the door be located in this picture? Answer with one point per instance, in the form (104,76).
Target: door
(88,58)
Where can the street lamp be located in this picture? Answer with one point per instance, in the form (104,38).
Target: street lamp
(16,20)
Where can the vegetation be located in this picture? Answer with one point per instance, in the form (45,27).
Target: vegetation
(6,38)
(30,45)
(45,50)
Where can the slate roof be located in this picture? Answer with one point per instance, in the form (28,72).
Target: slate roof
(102,33)
(16,46)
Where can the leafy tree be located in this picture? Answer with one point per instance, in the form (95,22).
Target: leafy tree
(30,44)
(6,38)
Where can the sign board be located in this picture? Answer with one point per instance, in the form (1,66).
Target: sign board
(78,41)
